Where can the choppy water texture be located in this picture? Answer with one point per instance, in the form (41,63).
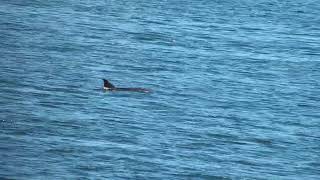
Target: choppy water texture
(235,89)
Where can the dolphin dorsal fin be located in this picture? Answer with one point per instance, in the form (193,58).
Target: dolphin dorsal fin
(107,84)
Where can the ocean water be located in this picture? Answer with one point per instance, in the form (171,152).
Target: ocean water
(236,89)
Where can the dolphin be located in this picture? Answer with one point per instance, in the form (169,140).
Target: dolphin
(110,87)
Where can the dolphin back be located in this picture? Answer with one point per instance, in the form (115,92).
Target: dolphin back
(133,89)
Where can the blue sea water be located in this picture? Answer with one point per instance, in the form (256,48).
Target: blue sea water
(236,89)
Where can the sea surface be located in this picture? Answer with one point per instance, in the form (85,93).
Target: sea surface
(235,89)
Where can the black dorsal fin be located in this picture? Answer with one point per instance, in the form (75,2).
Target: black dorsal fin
(107,84)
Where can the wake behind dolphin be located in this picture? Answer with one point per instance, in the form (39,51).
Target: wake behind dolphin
(110,87)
